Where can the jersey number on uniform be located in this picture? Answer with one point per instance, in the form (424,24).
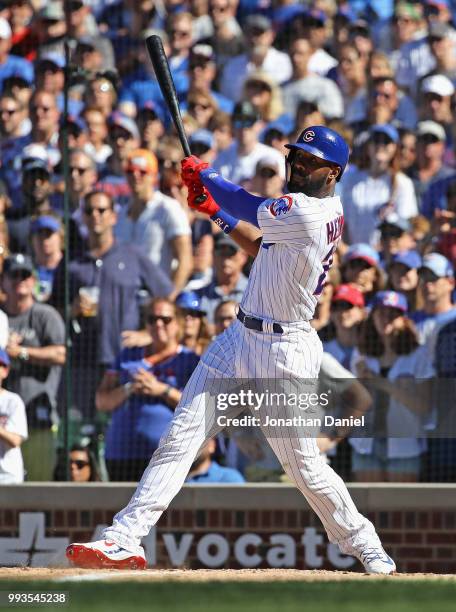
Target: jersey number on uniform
(326,263)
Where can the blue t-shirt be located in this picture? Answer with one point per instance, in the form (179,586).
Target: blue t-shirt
(137,425)
(218,473)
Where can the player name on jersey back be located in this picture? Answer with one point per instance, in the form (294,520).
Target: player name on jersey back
(300,234)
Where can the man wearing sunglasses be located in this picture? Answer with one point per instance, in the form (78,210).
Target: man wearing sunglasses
(36,348)
(272,341)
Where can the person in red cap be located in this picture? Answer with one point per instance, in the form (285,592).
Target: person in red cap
(347,312)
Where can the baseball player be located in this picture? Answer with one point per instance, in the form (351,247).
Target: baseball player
(271,339)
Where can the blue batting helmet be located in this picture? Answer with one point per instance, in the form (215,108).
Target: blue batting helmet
(325,143)
(189,300)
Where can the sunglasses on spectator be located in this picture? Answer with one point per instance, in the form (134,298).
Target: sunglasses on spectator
(79,463)
(116,134)
(199,149)
(341,306)
(381,139)
(78,170)
(19,275)
(152,319)
(218,9)
(427,276)
(359,264)
(243,123)
(136,170)
(391,231)
(89,210)
(8,111)
(428,139)
(41,107)
(267,173)
(194,105)
(188,312)
(180,33)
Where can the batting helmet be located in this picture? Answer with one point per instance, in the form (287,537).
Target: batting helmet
(325,143)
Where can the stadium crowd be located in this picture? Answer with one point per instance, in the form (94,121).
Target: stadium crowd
(108,255)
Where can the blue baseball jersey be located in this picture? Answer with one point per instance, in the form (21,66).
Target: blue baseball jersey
(138,424)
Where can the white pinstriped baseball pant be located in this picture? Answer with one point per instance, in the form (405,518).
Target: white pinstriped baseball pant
(240,353)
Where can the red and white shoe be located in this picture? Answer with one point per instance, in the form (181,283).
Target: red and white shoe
(104,554)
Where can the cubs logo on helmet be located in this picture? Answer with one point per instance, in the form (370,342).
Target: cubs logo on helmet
(308,136)
(281,206)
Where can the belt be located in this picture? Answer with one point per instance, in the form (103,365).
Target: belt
(257,324)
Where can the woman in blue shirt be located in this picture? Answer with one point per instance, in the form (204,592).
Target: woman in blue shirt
(141,390)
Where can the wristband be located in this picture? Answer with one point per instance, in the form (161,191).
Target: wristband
(225,221)
(167,391)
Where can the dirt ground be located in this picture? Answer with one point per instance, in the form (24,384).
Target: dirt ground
(178,575)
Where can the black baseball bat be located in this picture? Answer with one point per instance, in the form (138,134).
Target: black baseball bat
(165,80)
(159,61)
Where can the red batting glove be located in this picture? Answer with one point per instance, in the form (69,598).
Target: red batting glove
(208,206)
(191,168)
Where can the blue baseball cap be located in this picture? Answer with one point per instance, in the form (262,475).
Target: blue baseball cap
(45,222)
(57,59)
(362,251)
(202,137)
(189,300)
(438,264)
(411,259)
(284,124)
(390,299)
(4,357)
(153,108)
(387,129)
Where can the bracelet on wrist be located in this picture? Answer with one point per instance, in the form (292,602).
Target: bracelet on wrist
(167,391)
(128,388)
(23,354)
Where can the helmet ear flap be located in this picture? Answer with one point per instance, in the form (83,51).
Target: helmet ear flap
(289,159)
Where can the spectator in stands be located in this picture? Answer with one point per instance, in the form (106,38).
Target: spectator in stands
(202,144)
(361,267)
(36,347)
(101,94)
(264,95)
(220,126)
(309,86)
(141,389)
(24,40)
(78,29)
(123,138)
(259,55)
(47,239)
(441,41)
(13,429)
(312,25)
(11,65)
(204,470)
(229,282)
(45,116)
(224,315)
(82,463)
(105,291)
(370,194)
(267,181)
(430,149)
(407,147)
(154,222)
(49,75)
(347,313)
(36,199)
(12,116)
(385,103)
(192,319)
(436,282)
(227,39)
(239,160)
(389,353)
(403,277)
(201,107)
(435,101)
(150,120)
(350,75)
(202,72)
(396,236)
(97,133)
(179,29)
(50,26)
